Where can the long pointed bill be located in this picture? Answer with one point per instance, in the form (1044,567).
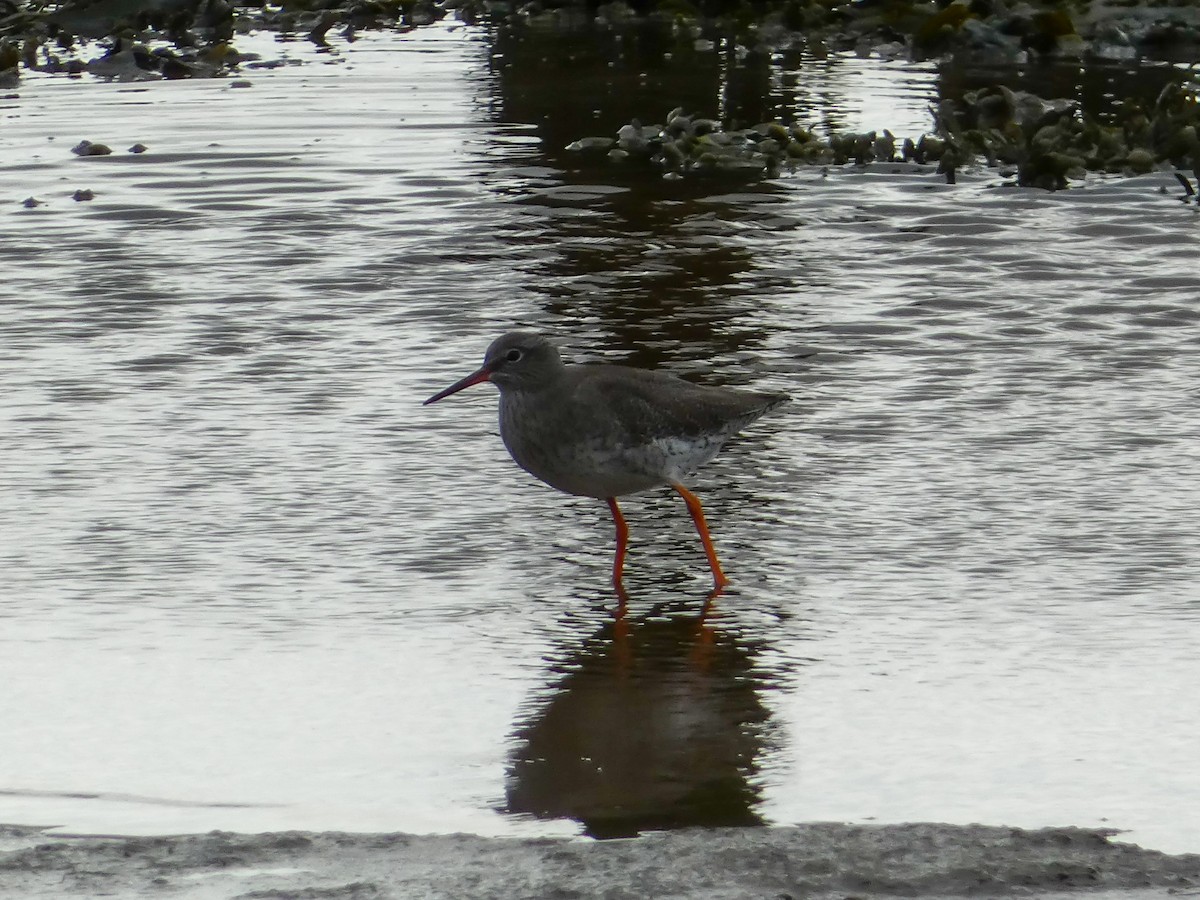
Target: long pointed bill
(477,377)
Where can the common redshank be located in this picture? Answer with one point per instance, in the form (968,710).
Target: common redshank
(604,431)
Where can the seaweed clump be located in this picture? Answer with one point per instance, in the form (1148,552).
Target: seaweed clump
(694,145)
(1043,143)
(1051,141)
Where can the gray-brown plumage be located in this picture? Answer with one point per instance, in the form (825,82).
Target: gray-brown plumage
(605,431)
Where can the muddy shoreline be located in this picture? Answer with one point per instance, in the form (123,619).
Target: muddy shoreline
(817,860)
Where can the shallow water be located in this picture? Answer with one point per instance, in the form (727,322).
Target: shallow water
(250,583)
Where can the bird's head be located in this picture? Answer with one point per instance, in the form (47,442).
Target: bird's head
(516,361)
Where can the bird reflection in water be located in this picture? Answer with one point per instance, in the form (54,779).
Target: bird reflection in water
(654,724)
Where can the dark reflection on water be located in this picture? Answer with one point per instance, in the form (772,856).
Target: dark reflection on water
(653,724)
(661,268)
(680,268)
(592,79)
(1098,87)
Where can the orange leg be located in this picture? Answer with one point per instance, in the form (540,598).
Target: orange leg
(622,543)
(693,505)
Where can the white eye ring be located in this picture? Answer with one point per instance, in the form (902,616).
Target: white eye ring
(514,355)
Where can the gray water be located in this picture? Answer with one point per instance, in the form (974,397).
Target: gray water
(249,583)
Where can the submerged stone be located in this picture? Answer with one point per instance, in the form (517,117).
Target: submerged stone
(591,144)
(88,148)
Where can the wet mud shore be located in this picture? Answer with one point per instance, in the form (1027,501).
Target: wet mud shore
(812,861)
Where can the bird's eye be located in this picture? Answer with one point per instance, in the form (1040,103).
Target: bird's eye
(514,355)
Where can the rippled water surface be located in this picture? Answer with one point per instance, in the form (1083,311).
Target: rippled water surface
(250,583)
